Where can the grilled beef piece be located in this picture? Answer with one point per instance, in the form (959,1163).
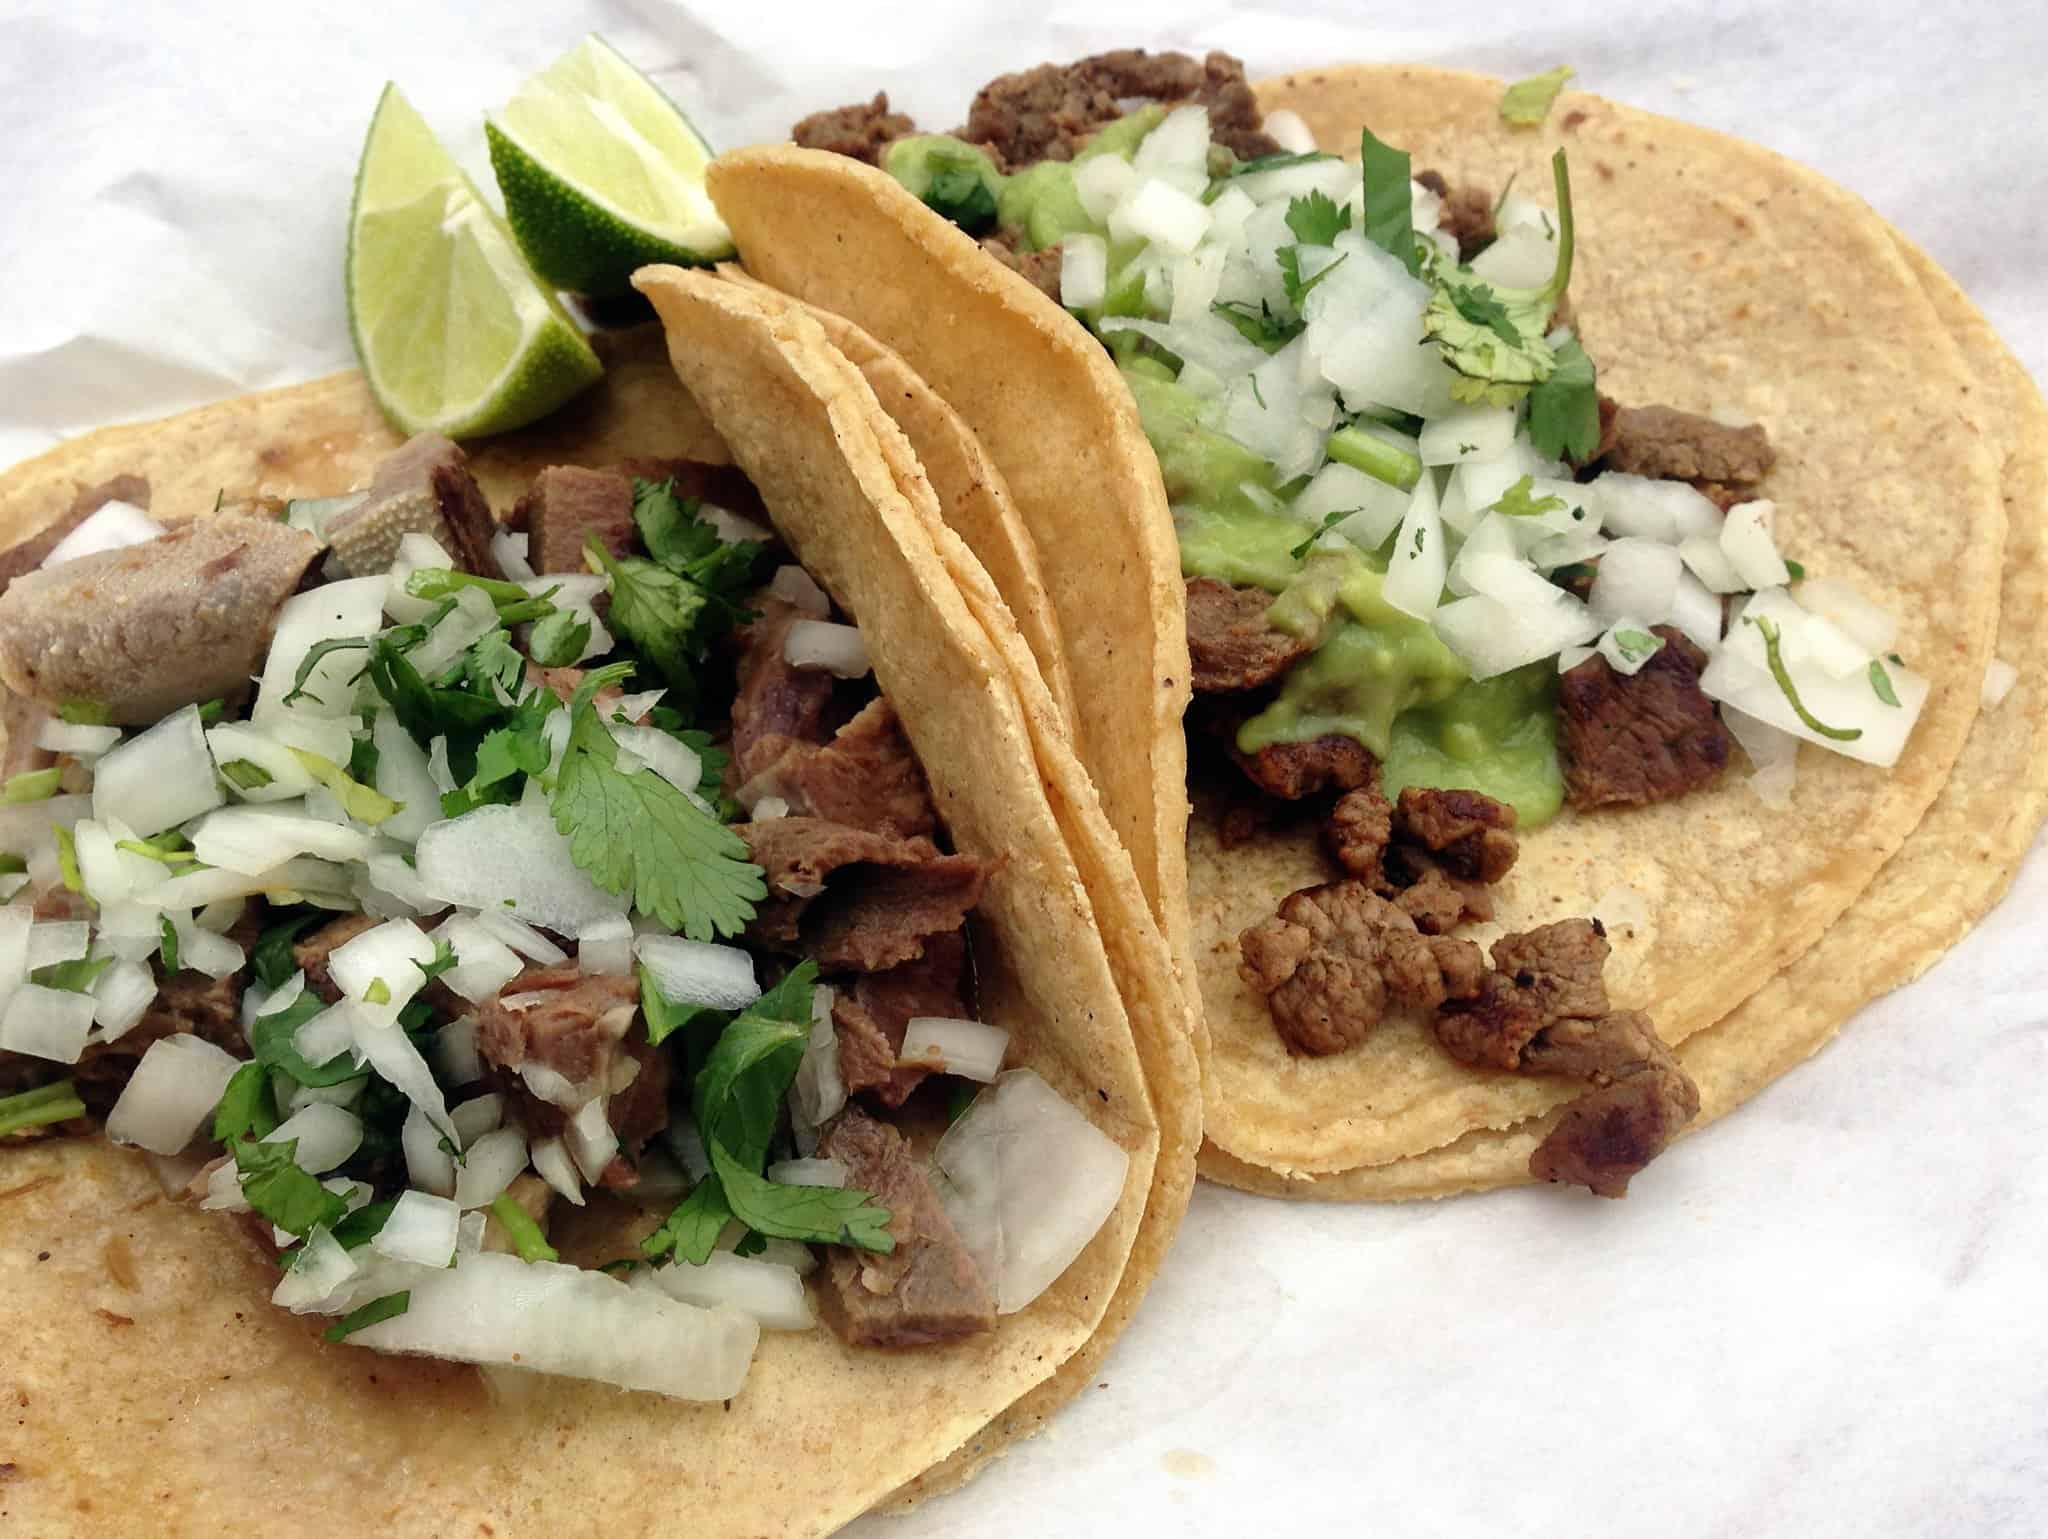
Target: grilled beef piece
(1230,641)
(1467,213)
(1673,445)
(30,553)
(1050,112)
(1334,957)
(867,777)
(149,628)
(568,505)
(871,1010)
(779,706)
(1647,737)
(861,131)
(1543,1009)
(562,1019)
(852,899)
(1291,771)
(1470,835)
(928,1289)
(1434,857)
(424,488)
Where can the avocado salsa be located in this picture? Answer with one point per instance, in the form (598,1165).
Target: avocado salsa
(1378,675)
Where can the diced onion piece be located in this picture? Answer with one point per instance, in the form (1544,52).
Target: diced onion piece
(1289,131)
(669,757)
(551,1160)
(771,1294)
(428,1165)
(1376,509)
(111,875)
(389,1051)
(1710,564)
(238,741)
(1490,637)
(303,876)
(484,964)
(1084,271)
(1999,678)
(687,1143)
(320,1270)
(521,936)
(416,553)
(549,1318)
(252,840)
(1491,539)
(1746,542)
(1697,612)
(1628,644)
(793,585)
(391,955)
(768,808)
(1102,182)
(15,925)
(456,1059)
(121,997)
(336,610)
(48,1023)
(328,1034)
(420,1229)
(474,617)
(592,1143)
(174,1088)
(76,738)
(1467,433)
(605,946)
(1159,212)
(1571,657)
(1520,257)
(554,1088)
(808,1172)
(202,951)
(114,525)
(347,1093)
(224,1190)
(699,972)
(1651,509)
(819,1091)
(158,778)
(327,1136)
(57,940)
(838,649)
(969,1049)
(488,1166)
(512,552)
(477,1116)
(1773,756)
(1029,1181)
(402,775)
(391,888)
(1415,577)
(1874,629)
(1638,578)
(512,857)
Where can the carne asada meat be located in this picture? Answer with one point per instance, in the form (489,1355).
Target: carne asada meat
(1333,959)
(17,560)
(1543,1009)
(424,488)
(852,899)
(867,777)
(1434,857)
(1232,644)
(1040,267)
(928,1289)
(23,721)
(861,131)
(568,505)
(1467,214)
(1470,835)
(1647,737)
(1292,771)
(149,628)
(1050,112)
(1667,444)
(779,705)
(871,1010)
(559,1018)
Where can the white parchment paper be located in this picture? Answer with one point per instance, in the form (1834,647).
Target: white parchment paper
(1825,1316)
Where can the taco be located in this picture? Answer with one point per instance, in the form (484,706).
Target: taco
(1424,549)
(464,908)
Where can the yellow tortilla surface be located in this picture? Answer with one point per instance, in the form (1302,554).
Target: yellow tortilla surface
(1950,870)
(186,1404)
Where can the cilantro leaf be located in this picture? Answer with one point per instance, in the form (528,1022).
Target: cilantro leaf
(739,1092)
(270,1039)
(692,1230)
(1262,327)
(1278,160)
(1526,103)
(1389,201)
(167,943)
(1635,644)
(364,1225)
(823,1215)
(1518,500)
(272,955)
(1564,409)
(688,546)
(291,1198)
(1317,220)
(377,1310)
(1477,304)
(665,1017)
(426,711)
(638,835)
(1330,521)
(246,1109)
(492,659)
(444,960)
(560,639)
(658,612)
(1289,258)
(1798,571)
(75,976)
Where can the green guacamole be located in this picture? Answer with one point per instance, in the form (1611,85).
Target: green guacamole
(1496,736)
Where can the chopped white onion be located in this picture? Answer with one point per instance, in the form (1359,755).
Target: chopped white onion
(1289,132)
(592,1143)
(1377,508)
(346,1093)
(1159,212)
(512,552)
(158,778)
(389,1051)
(253,840)
(550,1318)
(114,525)
(484,964)
(327,1035)
(353,608)
(668,756)
(403,775)
(771,1294)
(477,1116)
(1490,638)
(1102,182)
(1628,645)
(1999,678)
(456,1059)
(173,1089)
(969,1049)
(474,617)
(512,857)
(838,649)
(489,1166)
(1638,578)
(202,951)
(1651,509)
(552,1162)
(416,553)
(521,936)
(48,1023)
(321,1267)
(1697,612)
(1415,577)
(818,1091)
(1084,271)
(121,997)
(1710,564)
(808,1173)
(768,808)
(393,954)
(547,1084)
(699,972)
(327,1136)
(1467,433)
(234,741)
(1029,1181)
(420,1229)
(76,738)
(312,878)
(57,940)
(1746,542)
(687,1143)
(605,946)
(1874,629)
(1773,756)
(428,1165)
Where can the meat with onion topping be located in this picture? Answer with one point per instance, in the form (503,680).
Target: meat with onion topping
(1667,444)
(424,488)
(871,1010)
(1651,736)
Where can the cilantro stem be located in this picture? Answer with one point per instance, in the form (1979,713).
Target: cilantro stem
(1783,675)
(30,786)
(388,1307)
(1561,278)
(40,1107)
(1376,457)
(527,1240)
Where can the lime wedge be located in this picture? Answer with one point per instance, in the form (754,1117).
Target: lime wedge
(602,174)
(454,334)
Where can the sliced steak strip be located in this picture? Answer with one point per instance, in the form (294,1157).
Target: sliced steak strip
(1467,215)
(1673,445)
(149,628)
(1649,737)
(867,777)
(778,706)
(861,131)
(424,488)
(1050,112)
(1333,959)
(851,899)
(870,1011)
(928,1289)
(1232,644)
(566,506)
(31,553)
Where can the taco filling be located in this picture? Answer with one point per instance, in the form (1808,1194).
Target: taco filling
(1428,563)
(567,864)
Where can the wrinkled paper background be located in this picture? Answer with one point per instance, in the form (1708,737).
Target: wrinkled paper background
(1823,1317)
